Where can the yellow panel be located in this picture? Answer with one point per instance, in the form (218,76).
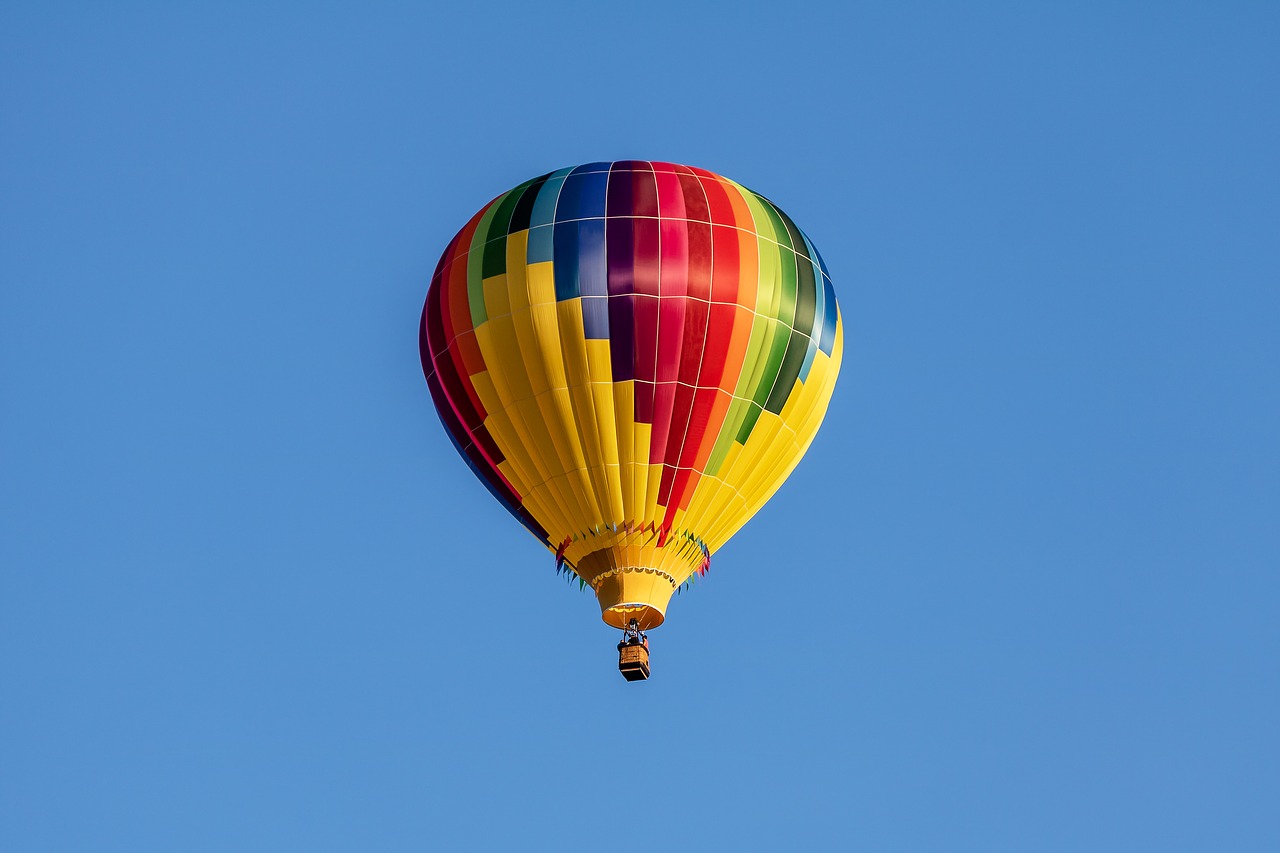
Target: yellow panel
(496,302)
(531,446)
(501,351)
(624,406)
(640,471)
(546,329)
(538,335)
(521,477)
(565,435)
(774,462)
(784,464)
(599,359)
(573,345)
(710,500)
(778,456)
(611,498)
(528,350)
(743,475)
(517,281)
(734,515)
(703,494)
(496,396)
(541,282)
(651,511)
(544,449)
(602,394)
(715,504)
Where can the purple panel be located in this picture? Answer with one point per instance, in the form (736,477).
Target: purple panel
(622,337)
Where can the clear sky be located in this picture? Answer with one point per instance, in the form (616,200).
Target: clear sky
(1023,593)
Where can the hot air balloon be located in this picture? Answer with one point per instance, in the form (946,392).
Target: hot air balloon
(632,357)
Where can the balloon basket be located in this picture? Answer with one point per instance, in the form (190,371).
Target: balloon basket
(633,662)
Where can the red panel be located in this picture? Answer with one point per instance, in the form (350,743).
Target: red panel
(670,337)
(453,296)
(646,339)
(724,278)
(665,484)
(686,482)
(695,331)
(644,402)
(701,417)
(718,410)
(448,295)
(722,211)
(698,240)
(695,199)
(716,349)
(453,383)
(485,442)
(433,324)
(664,395)
(675,257)
(458,319)
(457,323)
(676,438)
(644,192)
(468,350)
(670,196)
(647,263)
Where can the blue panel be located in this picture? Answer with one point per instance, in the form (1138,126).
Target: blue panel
(595,317)
(524,208)
(808,360)
(544,209)
(540,244)
(582,196)
(813,253)
(593,272)
(566,260)
(592,167)
(819,322)
(828,339)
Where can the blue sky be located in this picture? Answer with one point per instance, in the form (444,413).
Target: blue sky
(1023,590)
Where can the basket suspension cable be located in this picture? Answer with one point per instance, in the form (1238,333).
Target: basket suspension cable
(633,652)
(632,634)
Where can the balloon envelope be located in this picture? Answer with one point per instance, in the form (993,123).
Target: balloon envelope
(632,357)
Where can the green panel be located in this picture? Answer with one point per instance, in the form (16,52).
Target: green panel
(475,264)
(788,372)
(785,314)
(495,247)
(807,286)
(773,363)
(751,359)
(787,257)
(780,232)
(728,432)
(748,423)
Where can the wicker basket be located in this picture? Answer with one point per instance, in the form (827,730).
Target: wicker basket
(633,662)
